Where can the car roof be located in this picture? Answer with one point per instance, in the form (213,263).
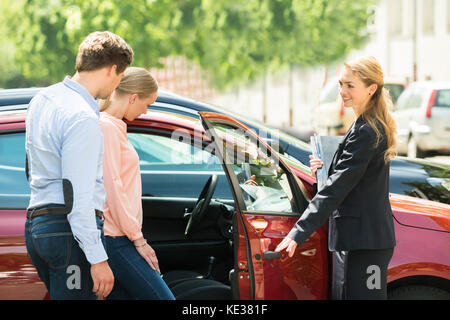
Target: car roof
(19,115)
(24,95)
(438,85)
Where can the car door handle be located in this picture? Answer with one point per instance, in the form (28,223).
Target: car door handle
(270,255)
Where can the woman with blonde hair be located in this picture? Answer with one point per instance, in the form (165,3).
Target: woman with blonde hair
(355,198)
(132,260)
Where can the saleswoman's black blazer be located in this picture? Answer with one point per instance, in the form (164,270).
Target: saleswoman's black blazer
(355,197)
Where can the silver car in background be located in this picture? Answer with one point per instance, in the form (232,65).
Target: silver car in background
(423,119)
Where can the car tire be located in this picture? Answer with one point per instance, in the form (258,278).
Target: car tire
(418,292)
(413,150)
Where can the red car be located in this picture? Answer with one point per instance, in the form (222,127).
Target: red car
(221,243)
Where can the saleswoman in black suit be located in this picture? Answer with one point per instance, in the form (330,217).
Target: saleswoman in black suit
(355,198)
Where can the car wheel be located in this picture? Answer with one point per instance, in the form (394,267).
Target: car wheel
(418,292)
(413,149)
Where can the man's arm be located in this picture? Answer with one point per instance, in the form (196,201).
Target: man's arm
(81,147)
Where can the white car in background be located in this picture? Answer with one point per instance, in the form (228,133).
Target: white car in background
(423,119)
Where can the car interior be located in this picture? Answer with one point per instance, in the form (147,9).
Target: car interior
(190,228)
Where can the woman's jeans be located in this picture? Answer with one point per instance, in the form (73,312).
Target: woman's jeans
(133,276)
(58,258)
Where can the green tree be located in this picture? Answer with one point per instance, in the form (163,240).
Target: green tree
(239,40)
(235,40)
(47,33)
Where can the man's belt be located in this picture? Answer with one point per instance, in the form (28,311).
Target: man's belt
(39,212)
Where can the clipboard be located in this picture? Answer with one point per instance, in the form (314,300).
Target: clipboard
(324,148)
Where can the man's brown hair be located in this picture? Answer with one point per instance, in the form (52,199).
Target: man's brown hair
(102,49)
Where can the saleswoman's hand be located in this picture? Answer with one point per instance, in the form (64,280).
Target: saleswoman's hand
(147,252)
(252,181)
(288,244)
(314,164)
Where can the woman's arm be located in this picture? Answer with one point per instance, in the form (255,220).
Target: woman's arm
(350,168)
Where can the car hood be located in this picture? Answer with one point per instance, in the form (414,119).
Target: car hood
(420,213)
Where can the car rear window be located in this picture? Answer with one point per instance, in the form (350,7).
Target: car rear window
(443,98)
(394,90)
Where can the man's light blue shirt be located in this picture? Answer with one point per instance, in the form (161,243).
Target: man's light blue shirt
(64,141)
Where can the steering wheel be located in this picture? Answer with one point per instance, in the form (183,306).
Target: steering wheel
(202,203)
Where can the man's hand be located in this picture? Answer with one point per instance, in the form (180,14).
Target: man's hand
(103,279)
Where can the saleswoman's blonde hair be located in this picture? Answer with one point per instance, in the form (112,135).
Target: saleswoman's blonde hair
(378,108)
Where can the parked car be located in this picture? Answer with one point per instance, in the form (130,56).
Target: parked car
(423,118)
(330,117)
(204,221)
(427,180)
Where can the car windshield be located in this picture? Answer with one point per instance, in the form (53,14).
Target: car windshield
(330,92)
(395,89)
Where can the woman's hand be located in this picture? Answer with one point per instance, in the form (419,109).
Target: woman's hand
(288,243)
(314,164)
(147,253)
(252,181)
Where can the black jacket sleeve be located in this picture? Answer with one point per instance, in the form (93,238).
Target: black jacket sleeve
(350,167)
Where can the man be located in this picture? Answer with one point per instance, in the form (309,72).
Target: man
(64,148)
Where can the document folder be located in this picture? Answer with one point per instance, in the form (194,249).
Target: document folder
(324,148)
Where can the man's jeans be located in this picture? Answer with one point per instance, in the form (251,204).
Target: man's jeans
(58,258)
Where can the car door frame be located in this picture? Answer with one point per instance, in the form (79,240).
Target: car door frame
(208,118)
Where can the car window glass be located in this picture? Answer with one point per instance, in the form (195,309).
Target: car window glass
(442,98)
(330,92)
(403,99)
(263,182)
(173,168)
(429,181)
(414,101)
(394,90)
(14,187)
(160,152)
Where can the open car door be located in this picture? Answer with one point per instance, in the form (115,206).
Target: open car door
(269,199)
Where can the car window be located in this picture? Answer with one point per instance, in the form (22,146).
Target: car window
(420,179)
(404,98)
(329,93)
(14,187)
(173,168)
(442,98)
(263,182)
(394,90)
(415,98)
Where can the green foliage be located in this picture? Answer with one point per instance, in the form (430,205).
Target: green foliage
(234,40)
(47,33)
